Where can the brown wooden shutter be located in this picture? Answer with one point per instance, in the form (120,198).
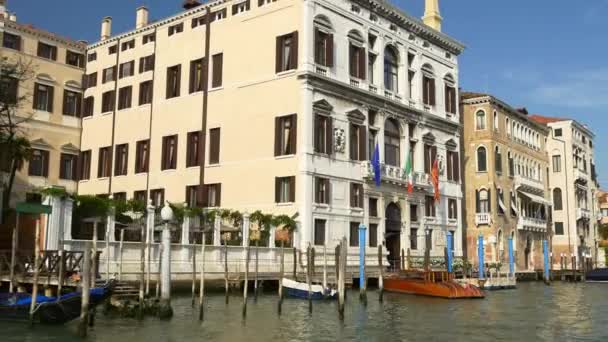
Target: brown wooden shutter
(79,105)
(293,134)
(277,136)
(329,136)
(362,64)
(352,70)
(352,141)
(316,45)
(456,166)
(218,61)
(65,102)
(432,91)
(214,136)
(425,90)
(279,55)
(292,189)
(327,191)
(447,99)
(51,98)
(427,162)
(179,80)
(45,164)
(36,96)
(362,143)
(277,190)
(329,52)
(204,193)
(218,195)
(433,154)
(293,63)
(109,162)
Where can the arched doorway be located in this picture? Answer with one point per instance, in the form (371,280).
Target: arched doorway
(393,234)
(527,252)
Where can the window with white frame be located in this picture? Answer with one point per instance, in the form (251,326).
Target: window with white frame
(480,120)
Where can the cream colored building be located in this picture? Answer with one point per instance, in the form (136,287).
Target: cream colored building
(574,186)
(299,93)
(506,183)
(54,93)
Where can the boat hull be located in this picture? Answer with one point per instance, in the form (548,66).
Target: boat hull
(443,289)
(296,289)
(597,276)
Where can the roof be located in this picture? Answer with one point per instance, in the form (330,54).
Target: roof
(33,30)
(545,119)
(466,95)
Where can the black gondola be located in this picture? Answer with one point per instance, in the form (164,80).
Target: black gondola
(49,310)
(597,275)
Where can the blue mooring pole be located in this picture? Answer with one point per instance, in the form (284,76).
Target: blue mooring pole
(450,247)
(546,254)
(481,253)
(511,258)
(362,244)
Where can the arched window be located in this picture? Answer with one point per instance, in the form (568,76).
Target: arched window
(482,201)
(511,164)
(508,127)
(391,67)
(495,121)
(392,140)
(428,85)
(356,55)
(450,94)
(501,246)
(482,165)
(480,120)
(497,160)
(324,42)
(557,199)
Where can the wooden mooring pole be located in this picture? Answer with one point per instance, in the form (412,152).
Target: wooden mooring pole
(324,267)
(194,273)
(120,253)
(295,264)
(342,279)
(381,274)
(142,270)
(226,285)
(14,246)
(158,274)
(246,283)
(309,276)
(94,269)
(84,306)
(60,271)
(281,273)
(255,276)
(107,254)
(36,271)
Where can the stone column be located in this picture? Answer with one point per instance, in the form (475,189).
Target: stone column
(165,310)
(53,222)
(217,231)
(273,231)
(68,206)
(245,229)
(185,240)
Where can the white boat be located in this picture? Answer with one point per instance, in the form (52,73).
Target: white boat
(296,289)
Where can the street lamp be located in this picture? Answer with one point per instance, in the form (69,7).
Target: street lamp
(165,310)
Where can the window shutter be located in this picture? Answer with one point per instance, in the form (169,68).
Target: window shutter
(204,195)
(329,136)
(317,54)
(351,61)
(489,201)
(432,93)
(327,191)
(36,99)
(362,143)
(477,204)
(79,100)
(433,154)
(277,136)
(362,63)
(141,64)
(292,189)
(279,53)
(45,164)
(51,96)
(353,142)
(293,63)
(448,102)
(218,62)
(78,167)
(329,52)
(425,90)
(65,102)
(218,195)
(293,134)
(277,190)
(178,80)
(360,202)
(174,160)
(109,162)
(427,161)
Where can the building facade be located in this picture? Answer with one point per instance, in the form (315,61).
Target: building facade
(506,182)
(53,92)
(574,187)
(292,98)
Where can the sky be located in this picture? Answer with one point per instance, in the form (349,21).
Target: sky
(546,55)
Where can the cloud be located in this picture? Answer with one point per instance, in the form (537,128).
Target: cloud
(584,89)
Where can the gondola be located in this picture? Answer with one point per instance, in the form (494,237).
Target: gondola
(49,310)
(599,275)
(296,289)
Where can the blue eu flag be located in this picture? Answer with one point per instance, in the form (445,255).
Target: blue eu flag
(376,165)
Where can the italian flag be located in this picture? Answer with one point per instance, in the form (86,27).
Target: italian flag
(409,173)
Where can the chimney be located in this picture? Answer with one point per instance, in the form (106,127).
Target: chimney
(190,4)
(432,17)
(106,28)
(13,17)
(142,17)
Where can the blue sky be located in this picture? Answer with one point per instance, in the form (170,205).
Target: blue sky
(546,55)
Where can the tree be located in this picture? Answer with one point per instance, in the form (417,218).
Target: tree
(14,145)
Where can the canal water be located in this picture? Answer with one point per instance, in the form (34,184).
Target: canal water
(533,312)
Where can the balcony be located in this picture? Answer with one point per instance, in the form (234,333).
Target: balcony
(355,83)
(532,224)
(483,219)
(394,175)
(580,176)
(530,184)
(321,70)
(582,213)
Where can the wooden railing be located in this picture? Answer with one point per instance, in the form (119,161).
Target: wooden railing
(49,262)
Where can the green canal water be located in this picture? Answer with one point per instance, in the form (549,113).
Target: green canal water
(533,312)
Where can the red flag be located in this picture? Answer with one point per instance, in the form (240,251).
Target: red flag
(435,179)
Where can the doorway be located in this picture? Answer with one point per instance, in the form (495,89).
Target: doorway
(393,235)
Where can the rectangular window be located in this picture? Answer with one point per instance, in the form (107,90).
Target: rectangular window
(169,153)
(108,100)
(413,239)
(39,163)
(149,38)
(47,51)
(323,134)
(196,22)
(112,49)
(373,235)
(192,196)
(128,45)
(285,135)
(122,160)
(74,59)
(285,189)
(219,15)
(322,190)
(413,213)
(173,81)
(104,164)
(371,146)
(146,64)
(91,80)
(109,75)
(212,195)
(126,69)
(43,97)
(140,196)
(371,62)
(320,232)
(192,149)
(124,97)
(158,197)
(557,132)
(142,156)
(241,7)
(214,146)
(175,29)
(354,234)
(119,196)
(9,87)
(429,206)
(453,166)
(324,48)
(356,195)
(198,76)
(218,61)
(357,61)
(430,154)
(85,165)
(452,209)
(357,142)
(145,93)
(559,228)
(92,57)
(287,52)
(71,103)
(11,41)
(557,163)
(428,91)
(373,207)
(450,99)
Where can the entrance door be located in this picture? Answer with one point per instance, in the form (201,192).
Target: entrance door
(393,235)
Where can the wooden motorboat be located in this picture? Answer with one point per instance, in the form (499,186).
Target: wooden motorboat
(597,275)
(49,310)
(430,283)
(296,289)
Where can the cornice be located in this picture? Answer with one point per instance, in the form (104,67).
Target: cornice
(38,33)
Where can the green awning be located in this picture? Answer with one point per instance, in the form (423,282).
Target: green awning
(33,208)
